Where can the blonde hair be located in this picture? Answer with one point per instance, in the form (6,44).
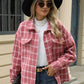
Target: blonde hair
(51,17)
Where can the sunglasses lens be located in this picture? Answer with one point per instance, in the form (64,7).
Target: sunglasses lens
(41,4)
(49,5)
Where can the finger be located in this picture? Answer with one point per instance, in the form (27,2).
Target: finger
(45,67)
(48,74)
(52,75)
(48,71)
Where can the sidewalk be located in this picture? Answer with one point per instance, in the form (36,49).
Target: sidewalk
(77,75)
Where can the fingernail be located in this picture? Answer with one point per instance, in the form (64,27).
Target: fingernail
(43,68)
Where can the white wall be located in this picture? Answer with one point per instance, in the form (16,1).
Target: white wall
(65,13)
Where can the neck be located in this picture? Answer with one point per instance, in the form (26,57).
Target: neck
(40,22)
(39,18)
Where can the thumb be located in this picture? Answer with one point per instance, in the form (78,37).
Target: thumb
(45,67)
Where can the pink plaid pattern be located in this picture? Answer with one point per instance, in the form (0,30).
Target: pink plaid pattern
(25,52)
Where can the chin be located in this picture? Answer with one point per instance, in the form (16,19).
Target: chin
(44,15)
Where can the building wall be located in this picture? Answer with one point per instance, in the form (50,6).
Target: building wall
(6,47)
(81,35)
(65,13)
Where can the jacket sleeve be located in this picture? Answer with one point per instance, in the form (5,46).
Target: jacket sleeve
(69,55)
(16,57)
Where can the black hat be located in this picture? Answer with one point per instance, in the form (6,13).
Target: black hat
(27,5)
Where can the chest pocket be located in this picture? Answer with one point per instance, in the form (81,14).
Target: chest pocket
(26,41)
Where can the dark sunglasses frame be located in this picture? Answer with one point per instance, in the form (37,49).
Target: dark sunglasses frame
(42,4)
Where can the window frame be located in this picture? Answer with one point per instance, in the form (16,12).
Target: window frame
(8,20)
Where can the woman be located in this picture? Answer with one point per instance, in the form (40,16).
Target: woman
(43,49)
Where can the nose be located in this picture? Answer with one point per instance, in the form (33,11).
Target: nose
(45,5)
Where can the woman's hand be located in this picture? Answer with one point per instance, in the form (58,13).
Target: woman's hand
(50,71)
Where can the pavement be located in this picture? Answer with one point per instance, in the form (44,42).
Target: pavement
(77,75)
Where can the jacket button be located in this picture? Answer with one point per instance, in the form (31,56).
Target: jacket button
(45,42)
(47,53)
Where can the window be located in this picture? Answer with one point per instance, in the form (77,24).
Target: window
(10,15)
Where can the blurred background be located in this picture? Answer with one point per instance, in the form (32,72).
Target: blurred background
(71,14)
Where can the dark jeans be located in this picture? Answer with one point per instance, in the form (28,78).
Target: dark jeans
(43,78)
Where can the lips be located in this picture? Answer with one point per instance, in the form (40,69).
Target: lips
(44,10)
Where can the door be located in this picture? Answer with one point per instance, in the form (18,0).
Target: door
(75,22)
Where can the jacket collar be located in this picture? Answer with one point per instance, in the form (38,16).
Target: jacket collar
(32,27)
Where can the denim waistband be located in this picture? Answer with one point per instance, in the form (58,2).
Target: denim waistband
(41,66)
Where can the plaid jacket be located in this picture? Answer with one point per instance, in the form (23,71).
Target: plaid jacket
(25,52)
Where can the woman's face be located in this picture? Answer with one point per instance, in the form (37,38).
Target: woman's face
(42,8)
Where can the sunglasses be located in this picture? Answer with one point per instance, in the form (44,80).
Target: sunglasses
(42,4)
